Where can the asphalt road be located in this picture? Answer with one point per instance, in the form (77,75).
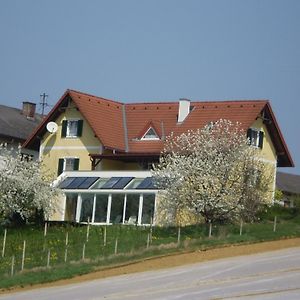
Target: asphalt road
(271,275)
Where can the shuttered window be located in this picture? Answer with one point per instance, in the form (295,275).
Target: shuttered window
(256,137)
(72,128)
(67,164)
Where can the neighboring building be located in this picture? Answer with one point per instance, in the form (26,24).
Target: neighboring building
(289,185)
(106,137)
(16,125)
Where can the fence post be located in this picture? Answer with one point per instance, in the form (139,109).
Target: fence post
(45,229)
(178,235)
(148,240)
(210,229)
(104,236)
(12,266)
(83,252)
(151,224)
(23,255)
(4,242)
(241,227)
(67,239)
(66,247)
(48,259)
(45,234)
(66,255)
(275,223)
(116,246)
(88,230)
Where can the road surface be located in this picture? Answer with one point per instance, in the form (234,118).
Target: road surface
(271,275)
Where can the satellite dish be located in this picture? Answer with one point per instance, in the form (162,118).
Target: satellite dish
(52,127)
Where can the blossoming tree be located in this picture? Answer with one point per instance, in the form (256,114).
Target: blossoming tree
(23,190)
(212,173)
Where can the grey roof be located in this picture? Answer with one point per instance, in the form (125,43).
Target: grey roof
(14,124)
(288,182)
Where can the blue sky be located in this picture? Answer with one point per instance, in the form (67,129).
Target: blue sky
(138,50)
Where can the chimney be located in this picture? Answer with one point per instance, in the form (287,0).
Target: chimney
(184,109)
(28,109)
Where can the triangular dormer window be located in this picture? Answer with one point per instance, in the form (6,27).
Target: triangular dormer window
(150,135)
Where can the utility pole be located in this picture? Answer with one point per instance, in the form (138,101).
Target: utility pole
(43,102)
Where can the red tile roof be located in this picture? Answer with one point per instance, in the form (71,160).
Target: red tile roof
(104,116)
(118,126)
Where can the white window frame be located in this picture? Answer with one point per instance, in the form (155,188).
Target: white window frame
(255,142)
(68,134)
(144,138)
(108,212)
(65,162)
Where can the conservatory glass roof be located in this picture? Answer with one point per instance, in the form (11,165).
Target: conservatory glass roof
(115,183)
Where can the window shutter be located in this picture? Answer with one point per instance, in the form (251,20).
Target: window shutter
(76,164)
(79,128)
(249,135)
(64,128)
(261,139)
(60,166)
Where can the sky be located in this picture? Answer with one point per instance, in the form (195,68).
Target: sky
(155,50)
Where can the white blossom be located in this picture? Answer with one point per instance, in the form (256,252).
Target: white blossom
(212,172)
(23,189)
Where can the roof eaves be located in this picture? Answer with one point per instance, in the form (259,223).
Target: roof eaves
(289,157)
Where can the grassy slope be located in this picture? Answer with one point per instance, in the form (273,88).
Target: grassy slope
(132,246)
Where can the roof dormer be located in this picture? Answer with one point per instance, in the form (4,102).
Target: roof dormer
(150,135)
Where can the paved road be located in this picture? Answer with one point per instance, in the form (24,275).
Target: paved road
(272,275)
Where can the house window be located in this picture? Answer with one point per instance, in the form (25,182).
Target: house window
(255,137)
(67,164)
(150,135)
(71,128)
(131,208)
(87,204)
(71,207)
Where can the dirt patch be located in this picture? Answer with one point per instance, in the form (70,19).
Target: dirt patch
(173,261)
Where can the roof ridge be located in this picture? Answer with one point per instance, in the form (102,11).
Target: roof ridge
(200,102)
(94,96)
(168,101)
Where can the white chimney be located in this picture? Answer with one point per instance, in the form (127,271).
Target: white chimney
(184,109)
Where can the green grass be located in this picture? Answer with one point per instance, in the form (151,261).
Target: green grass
(132,246)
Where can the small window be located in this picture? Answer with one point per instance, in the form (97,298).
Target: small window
(71,128)
(255,137)
(67,164)
(150,135)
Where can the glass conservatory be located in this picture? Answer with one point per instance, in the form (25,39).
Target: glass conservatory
(102,197)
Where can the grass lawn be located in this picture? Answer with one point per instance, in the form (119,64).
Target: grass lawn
(60,253)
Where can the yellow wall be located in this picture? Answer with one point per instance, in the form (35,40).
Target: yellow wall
(268,151)
(108,164)
(53,146)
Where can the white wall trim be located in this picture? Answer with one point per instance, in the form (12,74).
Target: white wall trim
(70,148)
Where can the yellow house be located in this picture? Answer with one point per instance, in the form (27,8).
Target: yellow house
(119,141)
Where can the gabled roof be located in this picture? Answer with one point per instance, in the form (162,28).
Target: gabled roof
(15,125)
(118,126)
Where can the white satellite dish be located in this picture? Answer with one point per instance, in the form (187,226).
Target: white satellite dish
(52,127)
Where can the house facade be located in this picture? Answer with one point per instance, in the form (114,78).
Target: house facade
(102,149)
